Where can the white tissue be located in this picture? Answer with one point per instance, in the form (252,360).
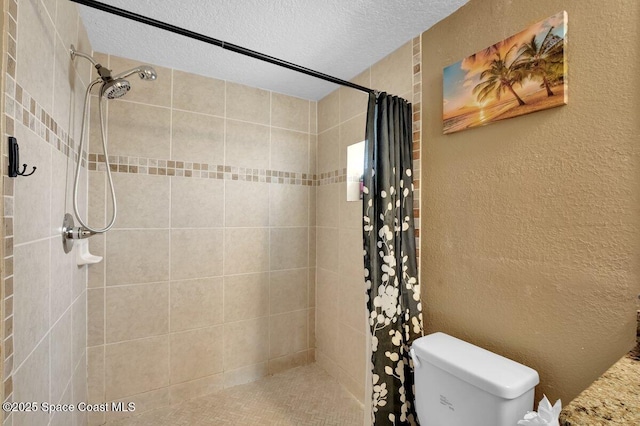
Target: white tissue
(546,415)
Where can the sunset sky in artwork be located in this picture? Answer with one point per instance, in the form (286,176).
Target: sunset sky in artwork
(461,77)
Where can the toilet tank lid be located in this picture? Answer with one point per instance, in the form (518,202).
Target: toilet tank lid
(484,369)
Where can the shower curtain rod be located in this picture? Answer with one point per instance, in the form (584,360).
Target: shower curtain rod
(228,46)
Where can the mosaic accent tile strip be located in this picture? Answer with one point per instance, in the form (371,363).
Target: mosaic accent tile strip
(21,107)
(151,166)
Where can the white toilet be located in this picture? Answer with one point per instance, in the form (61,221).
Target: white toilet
(459,384)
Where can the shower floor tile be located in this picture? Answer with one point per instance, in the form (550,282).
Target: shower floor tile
(298,397)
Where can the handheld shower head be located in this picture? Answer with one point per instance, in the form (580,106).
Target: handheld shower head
(145,72)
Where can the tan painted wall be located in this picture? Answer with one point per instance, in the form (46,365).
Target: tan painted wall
(531,225)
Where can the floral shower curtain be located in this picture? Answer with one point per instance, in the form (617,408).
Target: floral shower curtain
(391,273)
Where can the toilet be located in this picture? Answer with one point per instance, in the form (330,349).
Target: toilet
(457,383)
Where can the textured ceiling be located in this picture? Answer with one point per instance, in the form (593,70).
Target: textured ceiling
(337,37)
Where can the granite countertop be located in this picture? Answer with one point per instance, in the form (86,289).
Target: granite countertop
(613,399)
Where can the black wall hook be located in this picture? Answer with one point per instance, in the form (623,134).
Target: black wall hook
(14,160)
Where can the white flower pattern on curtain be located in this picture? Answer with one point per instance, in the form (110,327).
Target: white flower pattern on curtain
(391,273)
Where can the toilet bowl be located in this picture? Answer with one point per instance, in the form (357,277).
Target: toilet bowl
(457,383)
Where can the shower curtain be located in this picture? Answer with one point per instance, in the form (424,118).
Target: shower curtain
(391,273)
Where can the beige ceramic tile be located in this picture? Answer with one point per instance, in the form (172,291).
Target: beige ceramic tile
(96,272)
(313,197)
(246,343)
(312,331)
(136,311)
(289,150)
(350,211)
(289,112)
(67,22)
(354,102)
(350,252)
(313,154)
(84,45)
(153,92)
(247,145)
(95,374)
(64,76)
(79,327)
(196,253)
(288,290)
(30,297)
(60,358)
(328,198)
(143,200)
(248,103)
(312,287)
(289,248)
(313,117)
(352,354)
(246,204)
(246,250)
(278,365)
(196,354)
(136,366)
(327,249)
(32,199)
(247,374)
(326,335)
(35,43)
(327,292)
(61,276)
(138,130)
(197,138)
(394,73)
(197,93)
(80,390)
(95,317)
(97,194)
(182,392)
(63,418)
(289,205)
(31,383)
(196,303)
(196,203)
(246,296)
(137,256)
(313,244)
(352,302)
(287,333)
(328,150)
(328,111)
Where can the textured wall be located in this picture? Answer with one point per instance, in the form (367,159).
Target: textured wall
(531,225)
(206,280)
(44,345)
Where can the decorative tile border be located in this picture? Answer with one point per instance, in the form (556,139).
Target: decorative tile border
(417,130)
(152,166)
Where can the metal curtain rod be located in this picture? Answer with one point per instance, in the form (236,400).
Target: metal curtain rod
(228,46)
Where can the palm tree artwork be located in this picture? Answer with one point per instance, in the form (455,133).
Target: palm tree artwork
(542,60)
(499,77)
(521,74)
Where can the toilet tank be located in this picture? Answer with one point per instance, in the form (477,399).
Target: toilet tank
(459,384)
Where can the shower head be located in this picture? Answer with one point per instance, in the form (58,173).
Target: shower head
(115,88)
(145,72)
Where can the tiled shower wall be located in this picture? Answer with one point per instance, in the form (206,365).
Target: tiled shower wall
(44,334)
(341,326)
(208,276)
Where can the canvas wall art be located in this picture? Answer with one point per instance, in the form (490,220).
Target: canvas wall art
(524,73)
